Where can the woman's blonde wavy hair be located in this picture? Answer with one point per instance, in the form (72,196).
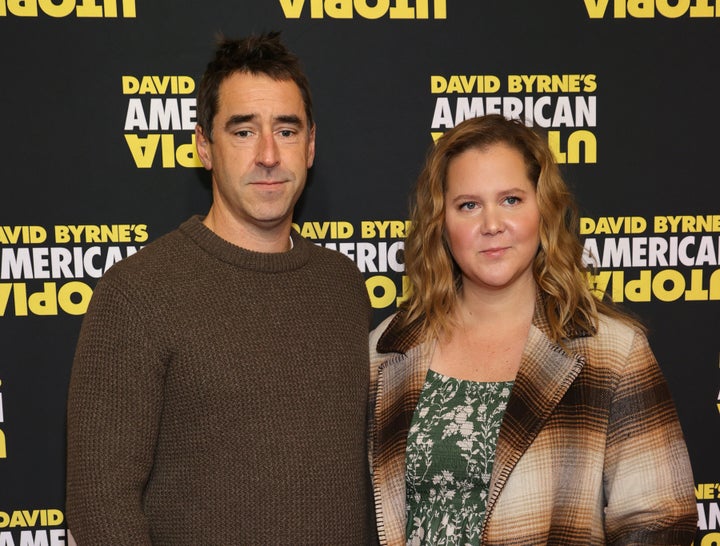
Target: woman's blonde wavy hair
(559,271)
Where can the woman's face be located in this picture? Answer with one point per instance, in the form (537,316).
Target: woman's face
(492,220)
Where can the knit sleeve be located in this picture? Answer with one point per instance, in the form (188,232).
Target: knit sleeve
(114,406)
(648,478)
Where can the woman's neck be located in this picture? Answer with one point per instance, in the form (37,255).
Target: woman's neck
(496,308)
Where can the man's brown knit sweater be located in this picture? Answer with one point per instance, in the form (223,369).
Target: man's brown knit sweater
(218,396)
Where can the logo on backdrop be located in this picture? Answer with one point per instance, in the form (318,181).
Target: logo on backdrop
(30,526)
(3,444)
(107,9)
(376,246)
(37,526)
(160,121)
(44,271)
(365,9)
(707,496)
(643,9)
(663,258)
(563,104)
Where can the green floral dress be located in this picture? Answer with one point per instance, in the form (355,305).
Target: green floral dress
(449,458)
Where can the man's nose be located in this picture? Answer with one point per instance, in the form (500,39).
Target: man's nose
(268,154)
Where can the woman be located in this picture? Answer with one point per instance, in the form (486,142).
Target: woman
(509,405)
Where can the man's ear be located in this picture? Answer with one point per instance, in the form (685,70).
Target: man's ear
(203,148)
(311,147)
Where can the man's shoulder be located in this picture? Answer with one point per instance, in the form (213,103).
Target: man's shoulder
(327,255)
(152,262)
(335,273)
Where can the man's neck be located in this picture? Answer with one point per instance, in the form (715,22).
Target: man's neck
(256,238)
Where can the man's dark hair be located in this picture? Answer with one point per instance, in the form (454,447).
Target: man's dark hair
(256,54)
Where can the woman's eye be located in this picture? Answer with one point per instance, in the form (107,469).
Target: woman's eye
(512,200)
(470,205)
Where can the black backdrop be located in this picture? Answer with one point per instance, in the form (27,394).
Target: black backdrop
(97,100)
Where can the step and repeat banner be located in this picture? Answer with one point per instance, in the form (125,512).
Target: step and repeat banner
(97,102)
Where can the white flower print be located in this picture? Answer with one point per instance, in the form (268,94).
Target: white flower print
(449,457)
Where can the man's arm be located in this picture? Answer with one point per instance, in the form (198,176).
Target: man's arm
(113,413)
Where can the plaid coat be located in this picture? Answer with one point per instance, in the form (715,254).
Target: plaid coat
(590,450)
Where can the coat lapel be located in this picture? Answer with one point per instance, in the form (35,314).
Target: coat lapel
(399,384)
(546,373)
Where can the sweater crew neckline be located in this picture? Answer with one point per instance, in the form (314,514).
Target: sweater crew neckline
(270,262)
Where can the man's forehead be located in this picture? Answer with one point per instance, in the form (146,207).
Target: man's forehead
(259,98)
(242,86)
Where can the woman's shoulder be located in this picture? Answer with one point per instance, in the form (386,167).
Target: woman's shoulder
(378,331)
(396,335)
(383,325)
(610,327)
(614,341)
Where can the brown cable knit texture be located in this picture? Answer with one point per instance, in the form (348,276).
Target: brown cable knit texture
(218,396)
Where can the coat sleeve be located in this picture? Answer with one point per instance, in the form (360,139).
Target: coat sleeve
(648,480)
(376,359)
(113,412)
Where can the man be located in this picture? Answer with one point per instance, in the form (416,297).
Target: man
(218,393)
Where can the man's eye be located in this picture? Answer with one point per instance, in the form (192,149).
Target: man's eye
(286,133)
(243,133)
